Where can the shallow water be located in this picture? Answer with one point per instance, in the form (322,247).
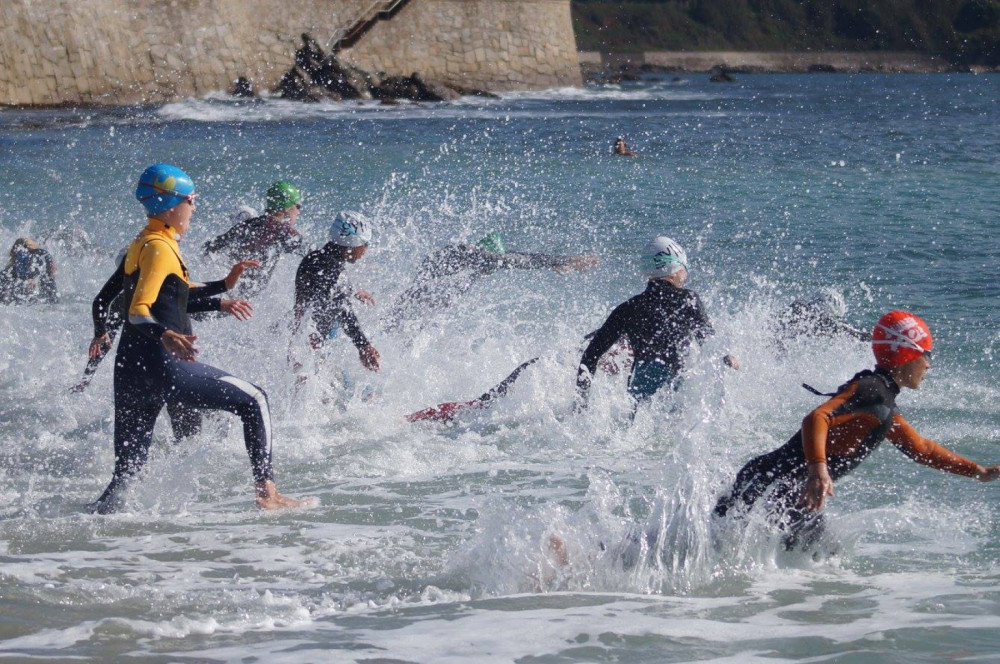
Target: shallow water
(431,543)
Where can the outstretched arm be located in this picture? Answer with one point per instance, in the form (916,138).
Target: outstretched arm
(603,339)
(927,452)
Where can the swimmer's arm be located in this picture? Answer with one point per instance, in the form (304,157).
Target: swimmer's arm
(604,338)
(702,325)
(927,452)
(816,425)
(345,315)
(155,265)
(100,310)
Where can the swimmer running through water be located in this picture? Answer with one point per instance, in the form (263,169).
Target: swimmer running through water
(660,323)
(795,480)
(156,359)
(322,291)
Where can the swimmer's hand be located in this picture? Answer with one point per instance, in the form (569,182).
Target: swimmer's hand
(369,357)
(578,264)
(988,473)
(180,346)
(818,487)
(731,362)
(238,309)
(364,296)
(237,271)
(99,346)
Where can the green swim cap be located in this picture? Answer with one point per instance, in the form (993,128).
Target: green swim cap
(493,243)
(282,195)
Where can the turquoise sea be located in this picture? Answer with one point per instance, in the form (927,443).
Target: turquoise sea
(432,543)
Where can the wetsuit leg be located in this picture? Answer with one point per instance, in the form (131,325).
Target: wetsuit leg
(505,385)
(780,475)
(185,421)
(203,386)
(139,393)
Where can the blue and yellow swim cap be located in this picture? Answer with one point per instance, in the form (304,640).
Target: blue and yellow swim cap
(162,187)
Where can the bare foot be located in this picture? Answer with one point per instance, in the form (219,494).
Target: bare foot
(268,498)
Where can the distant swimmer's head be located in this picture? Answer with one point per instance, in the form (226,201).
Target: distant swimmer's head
(282,195)
(163,187)
(493,243)
(899,338)
(830,301)
(242,213)
(353,231)
(663,257)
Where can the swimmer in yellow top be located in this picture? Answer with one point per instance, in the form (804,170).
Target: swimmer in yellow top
(156,360)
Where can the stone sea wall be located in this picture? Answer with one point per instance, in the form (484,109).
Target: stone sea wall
(126,51)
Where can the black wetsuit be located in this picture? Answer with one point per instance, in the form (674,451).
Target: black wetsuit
(320,290)
(451,271)
(842,433)
(147,377)
(660,323)
(109,311)
(28,278)
(803,318)
(256,239)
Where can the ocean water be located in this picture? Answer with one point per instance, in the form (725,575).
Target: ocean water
(433,543)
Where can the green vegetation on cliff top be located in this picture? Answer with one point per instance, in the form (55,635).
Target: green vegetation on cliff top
(963,31)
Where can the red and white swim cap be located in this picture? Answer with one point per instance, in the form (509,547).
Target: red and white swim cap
(900,337)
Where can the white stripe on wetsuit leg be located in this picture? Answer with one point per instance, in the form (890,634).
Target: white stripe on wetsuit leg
(255,392)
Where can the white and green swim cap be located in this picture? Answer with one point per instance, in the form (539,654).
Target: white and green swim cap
(663,257)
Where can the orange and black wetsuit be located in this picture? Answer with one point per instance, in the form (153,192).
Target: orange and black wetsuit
(160,296)
(842,433)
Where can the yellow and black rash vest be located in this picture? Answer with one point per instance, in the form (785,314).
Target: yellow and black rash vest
(157,286)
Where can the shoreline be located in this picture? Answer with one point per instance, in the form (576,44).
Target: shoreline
(596,63)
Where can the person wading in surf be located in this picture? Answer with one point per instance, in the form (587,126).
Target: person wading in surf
(322,291)
(156,359)
(796,479)
(660,323)
(264,238)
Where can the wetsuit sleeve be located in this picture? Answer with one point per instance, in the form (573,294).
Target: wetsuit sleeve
(201,298)
(344,313)
(226,240)
(840,327)
(603,339)
(100,310)
(532,261)
(702,326)
(206,290)
(926,451)
(156,262)
(816,425)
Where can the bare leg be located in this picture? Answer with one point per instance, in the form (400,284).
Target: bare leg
(268,498)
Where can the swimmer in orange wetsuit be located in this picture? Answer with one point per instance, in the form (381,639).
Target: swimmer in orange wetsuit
(835,438)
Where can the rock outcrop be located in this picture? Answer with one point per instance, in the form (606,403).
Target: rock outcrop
(317,75)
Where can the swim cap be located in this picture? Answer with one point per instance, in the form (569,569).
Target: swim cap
(492,243)
(282,195)
(663,257)
(242,213)
(162,187)
(830,301)
(350,229)
(900,337)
